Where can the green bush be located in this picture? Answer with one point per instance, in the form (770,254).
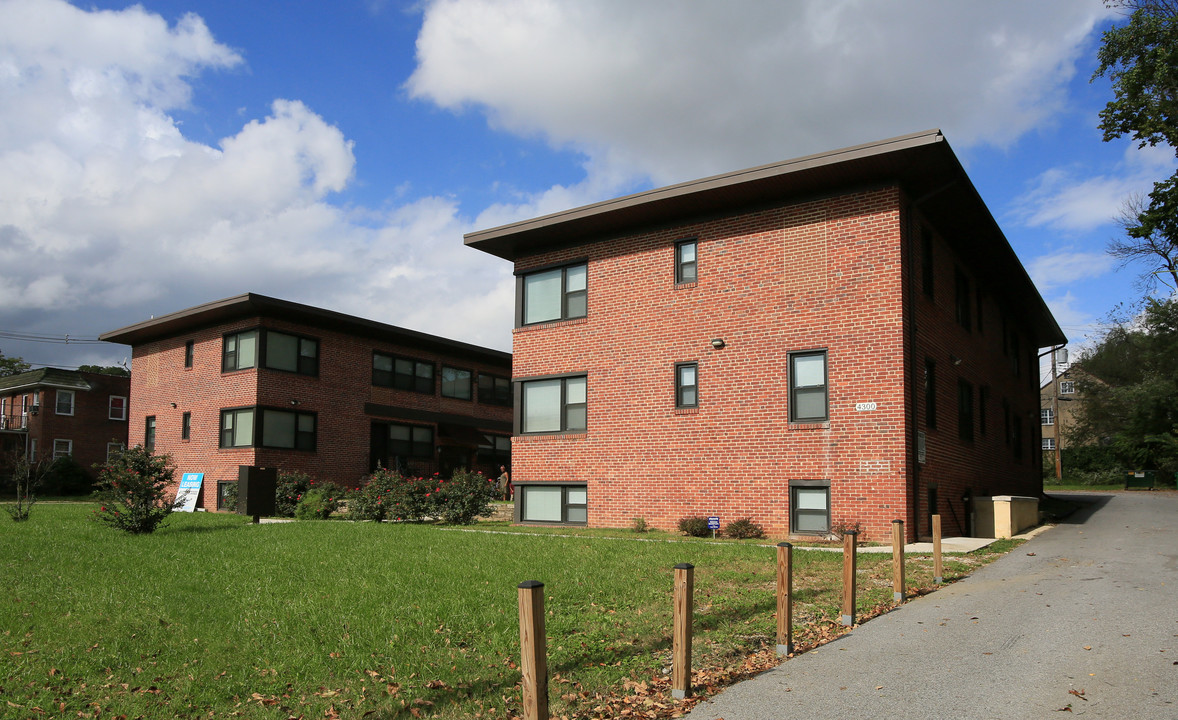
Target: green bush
(134,492)
(66,477)
(694,526)
(744,528)
(638,525)
(413,499)
(229,499)
(318,503)
(464,497)
(375,498)
(290,490)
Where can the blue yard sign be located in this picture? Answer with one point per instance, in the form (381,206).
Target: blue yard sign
(713,522)
(189,493)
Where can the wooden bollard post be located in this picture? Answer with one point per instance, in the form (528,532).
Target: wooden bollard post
(785,598)
(681,640)
(850,546)
(533,645)
(898,560)
(937,569)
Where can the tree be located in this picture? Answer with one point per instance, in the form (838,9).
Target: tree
(1141,59)
(1129,383)
(12,365)
(118,370)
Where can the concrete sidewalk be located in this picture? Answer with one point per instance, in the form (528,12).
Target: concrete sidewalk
(948,545)
(1081,620)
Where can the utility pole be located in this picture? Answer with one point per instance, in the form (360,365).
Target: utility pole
(1055,415)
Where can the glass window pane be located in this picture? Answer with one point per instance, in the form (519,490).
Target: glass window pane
(574,278)
(541,503)
(308,348)
(577,417)
(542,295)
(687,375)
(278,429)
(382,362)
(423,435)
(811,521)
(306,423)
(425,370)
(577,304)
(809,371)
(575,390)
(687,252)
(282,351)
(404,367)
(810,498)
(243,428)
(578,496)
(247,349)
(578,515)
(399,432)
(542,406)
(810,404)
(687,396)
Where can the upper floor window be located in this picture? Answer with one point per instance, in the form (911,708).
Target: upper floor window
(554,405)
(62,448)
(118,408)
(186,426)
(239,351)
(964,298)
(189,353)
(807,387)
(556,294)
(456,383)
(687,385)
(402,373)
(292,353)
(264,427)
(1067,387)
(965,410)
(685,262)
(494,390)
(65,402)
(149,433)
(113,449)
(1048,443)
(1047,416)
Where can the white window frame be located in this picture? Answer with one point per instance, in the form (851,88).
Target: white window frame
(1067,387)
(110,413)
(69,448)
(62,394)
(32,449)
(1046,416)
(1048,443)
(114,447)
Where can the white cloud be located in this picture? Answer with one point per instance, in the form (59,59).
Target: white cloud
(674,91)
(1067,267)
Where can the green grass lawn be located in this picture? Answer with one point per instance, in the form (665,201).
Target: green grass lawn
(212,616)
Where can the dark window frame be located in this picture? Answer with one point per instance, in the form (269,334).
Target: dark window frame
(965,410)
(681,389)
(469,382)
(417,449)
(686,271)
(565,294)
(413,381)
(523,489)
(793,388)
(304,364)
(186,426)
(963,300)
(304,441)
(794,486)
(149,433)
(497,390)
(189,353)
(229,359)
(565,405)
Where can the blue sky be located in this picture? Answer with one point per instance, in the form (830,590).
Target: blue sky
(157,156)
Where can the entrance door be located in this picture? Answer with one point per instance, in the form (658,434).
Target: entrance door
(452,458)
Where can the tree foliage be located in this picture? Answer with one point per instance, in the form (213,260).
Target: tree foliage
(1129,386)
(12,365)
(135,491)
(1140,58)
(117,370)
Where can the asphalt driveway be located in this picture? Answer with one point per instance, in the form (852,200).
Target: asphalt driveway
(1081,620)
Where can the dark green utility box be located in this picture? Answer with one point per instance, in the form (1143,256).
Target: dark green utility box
(1140,479)
(257,490)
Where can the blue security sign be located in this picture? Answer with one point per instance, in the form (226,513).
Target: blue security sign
(713,522)
(186,497)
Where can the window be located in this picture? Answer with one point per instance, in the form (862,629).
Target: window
(117,409)
(554,405)
(687,385)
(567,504)
(186,426)
(926,261)
(456,383)
(263,427)
(1046,416)
(1067,387)
(239,351)
(189,353)
(495,450)
(1048,443)
(494,390)
(962,299)
(149,433)
(292,353)
(411,441)
(807,387)
(556,294)
(32,449)
(113,449)
(685,262)
(62,448)
(65,402)
(402,373)
(964,410)
(930,394)
(809,505)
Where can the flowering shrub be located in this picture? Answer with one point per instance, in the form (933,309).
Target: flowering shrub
(374,500)
(290,490)
(464,497)
(413,498)
(318,503)
(744,528)
(133,491)
(694,526)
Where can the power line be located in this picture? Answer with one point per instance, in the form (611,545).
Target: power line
(55,339)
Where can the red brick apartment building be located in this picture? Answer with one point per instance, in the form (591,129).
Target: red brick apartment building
(253,380)
(50,413)
(837,339)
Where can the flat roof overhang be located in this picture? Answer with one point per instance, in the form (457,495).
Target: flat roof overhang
(921,164)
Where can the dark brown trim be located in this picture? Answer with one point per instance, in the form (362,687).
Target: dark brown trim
(393,413)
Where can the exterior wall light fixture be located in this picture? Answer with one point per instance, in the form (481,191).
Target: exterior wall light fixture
(718,343)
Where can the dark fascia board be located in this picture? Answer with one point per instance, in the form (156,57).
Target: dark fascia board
(922,164)
(252,304)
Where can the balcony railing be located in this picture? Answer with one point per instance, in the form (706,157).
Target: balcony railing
(18,422)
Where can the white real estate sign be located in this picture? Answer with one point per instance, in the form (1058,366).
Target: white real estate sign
(189,491)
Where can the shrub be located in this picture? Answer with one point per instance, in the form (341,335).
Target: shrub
(229,497)
(66,476)
(374,500)
(638,525)
(464,497)
(133,491)
(413,498)
(24,480)
(318,503)
(744,528)
(290,490)
(694,526)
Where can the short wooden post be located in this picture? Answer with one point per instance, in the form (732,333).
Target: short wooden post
(850,547)
(681,640)
(785,600)
(533,644)
(898,560)
(937,569)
